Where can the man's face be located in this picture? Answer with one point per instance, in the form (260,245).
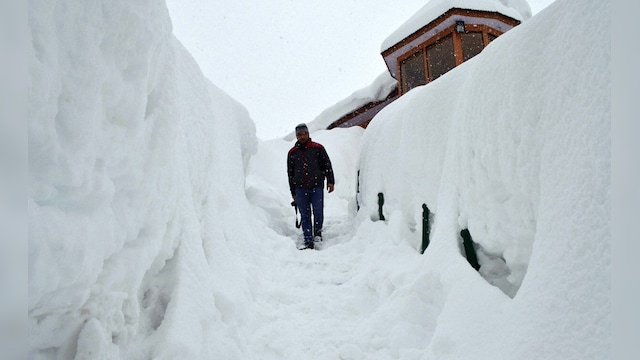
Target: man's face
(302,137)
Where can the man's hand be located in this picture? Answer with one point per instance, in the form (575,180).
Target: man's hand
(330,187)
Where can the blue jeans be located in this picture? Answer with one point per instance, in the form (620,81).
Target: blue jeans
(306,200)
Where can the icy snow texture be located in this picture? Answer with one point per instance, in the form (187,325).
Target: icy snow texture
(133,182)
(515,146)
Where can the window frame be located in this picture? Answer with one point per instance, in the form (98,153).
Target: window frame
(441,41)
(403,83)
(457,45)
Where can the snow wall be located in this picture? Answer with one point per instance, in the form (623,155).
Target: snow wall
(132,153)
(514,145)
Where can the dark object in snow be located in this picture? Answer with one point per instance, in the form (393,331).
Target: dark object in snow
(309,245)
(469,250)
(293,203)
(426,227)
(380,204)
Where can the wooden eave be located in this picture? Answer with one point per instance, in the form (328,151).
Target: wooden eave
(443,23)
(364,114)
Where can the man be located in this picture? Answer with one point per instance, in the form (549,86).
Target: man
(308,165)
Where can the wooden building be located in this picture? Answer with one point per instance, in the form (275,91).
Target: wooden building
(429,52)
(444,43)
(364,114)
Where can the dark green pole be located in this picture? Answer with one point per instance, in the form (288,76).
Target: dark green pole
(470,252)
(357,190)
(380,204)
(426,227)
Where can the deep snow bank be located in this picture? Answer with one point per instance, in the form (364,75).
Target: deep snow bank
(515,146)
(131,154)
(13,178)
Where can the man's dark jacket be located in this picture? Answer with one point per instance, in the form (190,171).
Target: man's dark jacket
(307,166)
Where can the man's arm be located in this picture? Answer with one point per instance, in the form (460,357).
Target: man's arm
(328,170)
(290,172)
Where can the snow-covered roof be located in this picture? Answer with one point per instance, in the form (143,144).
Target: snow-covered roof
(516,9)
(378,90)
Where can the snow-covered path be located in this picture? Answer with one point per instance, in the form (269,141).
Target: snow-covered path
(306,286)
(346,300)
(321,304)
(356,297)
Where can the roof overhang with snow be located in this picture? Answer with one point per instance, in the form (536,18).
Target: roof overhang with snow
(442,24)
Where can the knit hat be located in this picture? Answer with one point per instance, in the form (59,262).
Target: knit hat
(300,128)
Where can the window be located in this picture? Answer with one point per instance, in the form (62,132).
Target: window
(412,71)
(440,57)
(472,44)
